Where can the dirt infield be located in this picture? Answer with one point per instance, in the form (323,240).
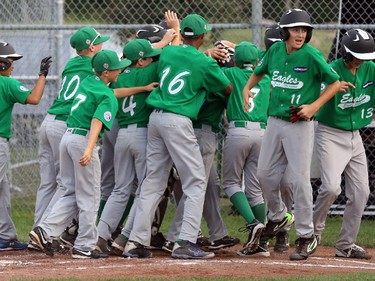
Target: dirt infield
(35,265)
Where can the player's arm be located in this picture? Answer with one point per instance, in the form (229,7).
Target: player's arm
(95,128)
(167,38)
(172,36)
(36,94)
(174,23)
(307,110)
(246,93)
(125,92)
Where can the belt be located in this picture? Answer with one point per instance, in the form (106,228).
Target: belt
(204,127)
(136,125)
(249,124)
(77,131)
(61,117)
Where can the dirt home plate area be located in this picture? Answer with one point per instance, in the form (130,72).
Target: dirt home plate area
(36,265)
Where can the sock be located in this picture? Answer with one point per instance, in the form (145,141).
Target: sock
(260,212)
(239,200)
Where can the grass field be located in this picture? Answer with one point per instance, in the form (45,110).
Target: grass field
(24,220)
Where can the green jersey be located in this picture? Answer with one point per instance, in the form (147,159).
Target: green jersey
(211,112)
(133,109)
(94,99)
(351,110)
(259,104)
(295,78)
(185,76)
(77,69)
(11,92)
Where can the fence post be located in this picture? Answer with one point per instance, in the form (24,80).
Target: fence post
(256,22)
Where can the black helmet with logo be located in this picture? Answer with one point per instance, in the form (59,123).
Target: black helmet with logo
(296,18)
(153,33)
(272,35)
(357,43)
(7,51)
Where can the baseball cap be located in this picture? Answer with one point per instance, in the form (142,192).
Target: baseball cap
(194,25)
(108,60)
(245,52)
(86,37)
(139,48)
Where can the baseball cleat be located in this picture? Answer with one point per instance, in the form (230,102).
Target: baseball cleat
(38,237)
(304,248)
(186,250)
(224,242)
(273,227)
(354,252)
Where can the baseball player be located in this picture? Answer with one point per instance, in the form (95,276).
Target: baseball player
(271,36)
(130,147)
(205,128)
(171,138)
(296,70)
(93,110)
(12,92)
(243,141)
(339,144)
(154,36)
(87,42)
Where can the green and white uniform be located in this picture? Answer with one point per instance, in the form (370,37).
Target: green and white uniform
(185,76)
(11,92)
(296,80)
(93,100)
(341,150)
(130,148)
(51,131)
(245,135)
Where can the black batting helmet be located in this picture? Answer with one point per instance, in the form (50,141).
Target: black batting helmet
(295,18)
(153,33)
(272,35)
(357,43)
(7,51)
(164,24)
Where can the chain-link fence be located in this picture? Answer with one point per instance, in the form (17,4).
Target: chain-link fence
(37,28)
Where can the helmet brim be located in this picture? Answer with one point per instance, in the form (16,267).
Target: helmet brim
(361,56)
(295,24)
(12,56)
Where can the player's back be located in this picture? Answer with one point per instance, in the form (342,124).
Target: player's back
(185,76)
(77,69)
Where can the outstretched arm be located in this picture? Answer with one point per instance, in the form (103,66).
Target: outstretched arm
(125,92)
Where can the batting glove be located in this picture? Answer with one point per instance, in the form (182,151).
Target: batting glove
(44,66)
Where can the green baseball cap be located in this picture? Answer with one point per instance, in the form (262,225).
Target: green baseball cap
(194,25)
(138,49)
(86,37)
(245,52)
(108,60)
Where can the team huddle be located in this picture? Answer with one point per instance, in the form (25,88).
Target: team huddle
(158,110)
